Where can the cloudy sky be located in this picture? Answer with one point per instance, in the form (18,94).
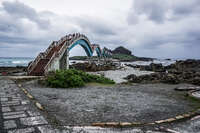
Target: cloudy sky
(151,28)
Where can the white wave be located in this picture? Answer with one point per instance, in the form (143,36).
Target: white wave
(20,62)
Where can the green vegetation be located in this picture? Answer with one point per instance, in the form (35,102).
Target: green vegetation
(81,57)
(124,57)
(78,58)
(73,78)
(121,57)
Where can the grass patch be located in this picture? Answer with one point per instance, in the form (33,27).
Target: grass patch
(82,57)
(74,78)
(124,57)
(194,100)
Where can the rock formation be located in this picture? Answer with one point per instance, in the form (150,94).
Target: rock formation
(187,71)
(122,50)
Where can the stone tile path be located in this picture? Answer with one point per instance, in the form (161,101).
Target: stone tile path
(17,114)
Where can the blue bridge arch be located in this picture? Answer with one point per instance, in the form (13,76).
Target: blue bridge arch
(85,45)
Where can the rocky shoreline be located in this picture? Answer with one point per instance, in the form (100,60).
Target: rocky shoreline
(187,71)
(95,66)
(13,71)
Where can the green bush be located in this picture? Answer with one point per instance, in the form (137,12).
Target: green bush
(73,78)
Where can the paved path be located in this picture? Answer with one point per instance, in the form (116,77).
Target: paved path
(17,114)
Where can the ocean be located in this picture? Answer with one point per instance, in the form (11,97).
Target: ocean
(23,61)
(14,61)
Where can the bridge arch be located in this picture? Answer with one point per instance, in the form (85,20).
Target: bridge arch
(98,51)
(84,44)
(81,41)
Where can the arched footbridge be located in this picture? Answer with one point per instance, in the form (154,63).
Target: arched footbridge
(56,56)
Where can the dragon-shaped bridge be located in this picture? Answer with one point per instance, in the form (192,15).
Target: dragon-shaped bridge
(56,56)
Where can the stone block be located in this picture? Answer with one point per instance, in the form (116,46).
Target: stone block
(4,99)
(33,113)
(13,115)
(6,109)
(10,124)
(25,130)
(31,121)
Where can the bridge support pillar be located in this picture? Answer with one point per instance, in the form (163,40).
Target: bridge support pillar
(67,59)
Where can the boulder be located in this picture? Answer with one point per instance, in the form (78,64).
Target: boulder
(195,81)
(157,67)
(133,78)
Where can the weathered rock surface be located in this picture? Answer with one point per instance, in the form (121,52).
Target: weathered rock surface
(93,67)
(19,70)
(187,71)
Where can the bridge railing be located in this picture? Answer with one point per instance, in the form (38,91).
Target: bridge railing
(69,39)
(53,44)
(55,55)
(40,56)
(34,63)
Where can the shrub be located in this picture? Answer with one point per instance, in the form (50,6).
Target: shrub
(73,78)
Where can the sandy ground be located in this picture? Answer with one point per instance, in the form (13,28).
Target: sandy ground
(118,75)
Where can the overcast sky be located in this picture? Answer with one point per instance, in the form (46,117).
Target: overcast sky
(151,28)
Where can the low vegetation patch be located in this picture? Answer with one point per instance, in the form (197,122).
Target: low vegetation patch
(74,78)
(124,57)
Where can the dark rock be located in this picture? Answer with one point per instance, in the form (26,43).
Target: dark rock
(152,67)
(181,72)
(170,78)
(122,50)
(157,67)
(195,81)
(133,78)
(12,71)
(93,67)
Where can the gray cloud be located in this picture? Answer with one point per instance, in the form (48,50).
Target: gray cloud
(154,10)
(156,28)
(95,26)
(165,28)
(186,7)
(15,40)
(162,10)
(19,10)
(22,28)
(37,33)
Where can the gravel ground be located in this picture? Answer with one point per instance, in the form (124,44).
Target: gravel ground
(136,103)
(118,75)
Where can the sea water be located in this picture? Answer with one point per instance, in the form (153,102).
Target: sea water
(14,61)
(23,61)
(156,61)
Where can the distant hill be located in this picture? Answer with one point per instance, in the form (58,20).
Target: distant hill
(120,53)
(122,50)
(123,54)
